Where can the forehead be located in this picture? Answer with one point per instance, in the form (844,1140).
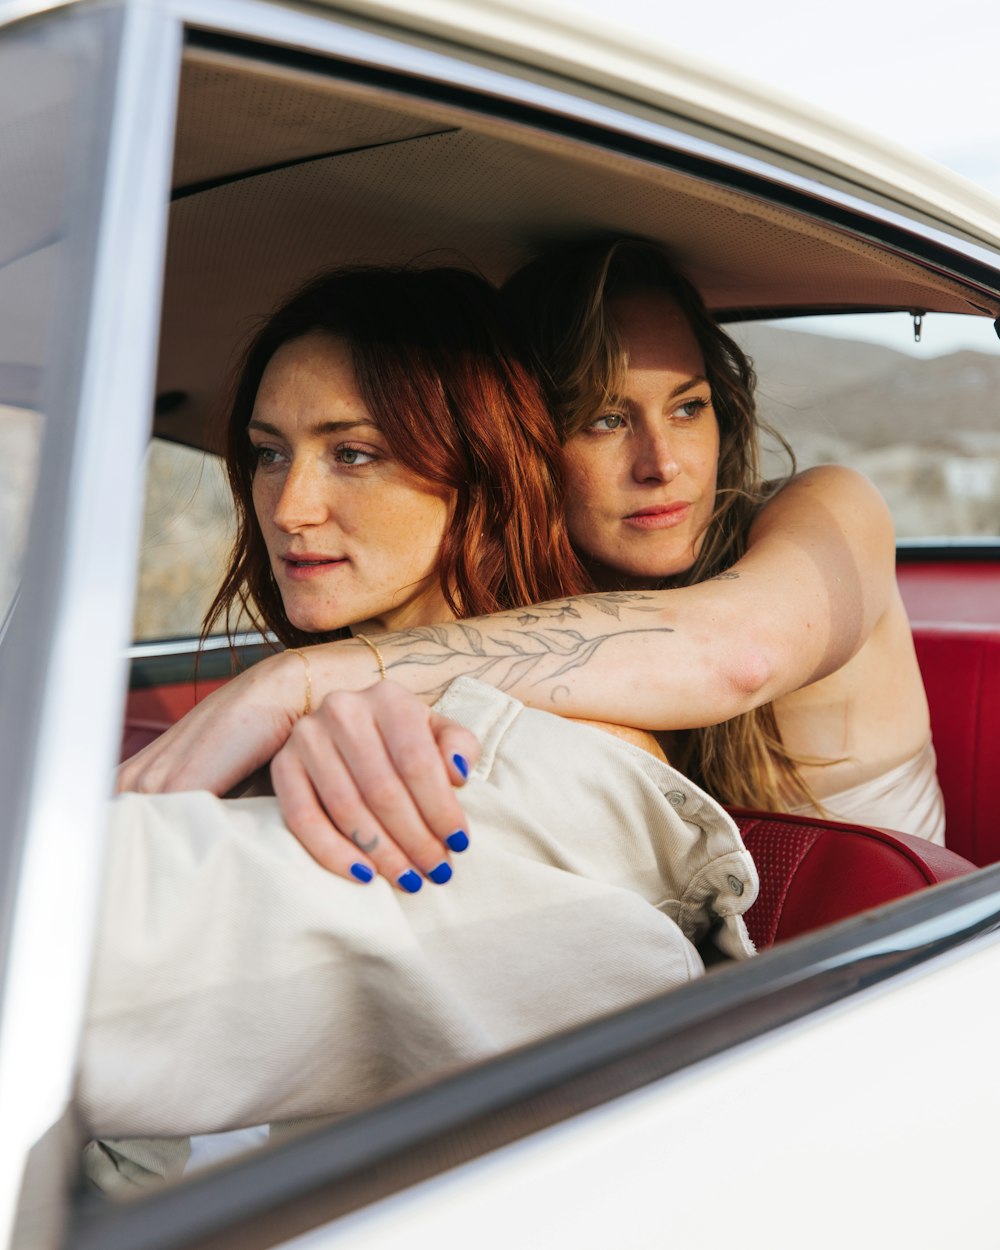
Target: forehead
(656,333)
(316,356)
(313,371)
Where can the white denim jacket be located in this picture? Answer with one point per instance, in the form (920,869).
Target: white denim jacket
(237,982)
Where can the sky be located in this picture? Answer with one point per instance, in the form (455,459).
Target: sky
(922,75)
(919,74)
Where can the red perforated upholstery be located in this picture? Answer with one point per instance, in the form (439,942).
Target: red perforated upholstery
(813,872)
(961,671)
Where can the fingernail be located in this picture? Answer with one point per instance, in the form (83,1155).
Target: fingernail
(441,873)
(458,841)
(362,872)
(410,881)
(462,764)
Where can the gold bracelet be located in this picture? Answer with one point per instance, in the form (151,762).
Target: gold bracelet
(307,708)
(378,654)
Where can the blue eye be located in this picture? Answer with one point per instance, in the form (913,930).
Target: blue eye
(691,409)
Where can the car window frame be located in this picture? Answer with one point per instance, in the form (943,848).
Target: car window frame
(61,671)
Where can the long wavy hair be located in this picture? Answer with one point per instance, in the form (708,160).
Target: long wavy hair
(561,299)
(441,370)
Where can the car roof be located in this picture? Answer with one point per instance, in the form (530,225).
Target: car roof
(286,165)
(642,67)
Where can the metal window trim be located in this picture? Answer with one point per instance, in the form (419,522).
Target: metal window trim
(85,545)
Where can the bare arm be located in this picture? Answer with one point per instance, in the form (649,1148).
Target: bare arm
(800,603)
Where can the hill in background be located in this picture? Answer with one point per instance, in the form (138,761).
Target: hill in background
(926,431)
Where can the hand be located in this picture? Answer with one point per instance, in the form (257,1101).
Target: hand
(227,736)
(365,782)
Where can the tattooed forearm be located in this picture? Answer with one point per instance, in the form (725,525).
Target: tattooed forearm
(526,645)
(612,603)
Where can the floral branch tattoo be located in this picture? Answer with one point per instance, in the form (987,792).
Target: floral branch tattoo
(538,644)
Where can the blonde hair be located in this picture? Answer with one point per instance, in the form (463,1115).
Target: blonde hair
(562,301)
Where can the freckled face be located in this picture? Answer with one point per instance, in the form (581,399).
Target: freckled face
(353,535)
(641,477)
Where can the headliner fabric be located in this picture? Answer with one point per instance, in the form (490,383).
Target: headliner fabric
(377,178)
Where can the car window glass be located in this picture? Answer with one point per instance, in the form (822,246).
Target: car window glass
(20,429)
(188,529)
(919,418)
(39,82)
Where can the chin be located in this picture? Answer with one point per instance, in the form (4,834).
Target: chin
(309,623)
(640,574)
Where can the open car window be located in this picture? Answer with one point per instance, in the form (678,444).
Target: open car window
(188,528)
(918,415)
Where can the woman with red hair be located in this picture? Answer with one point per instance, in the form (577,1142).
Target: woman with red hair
(394,467)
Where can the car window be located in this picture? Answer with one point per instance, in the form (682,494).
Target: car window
(188,528)
(37,84)
(20,429)
(918,417)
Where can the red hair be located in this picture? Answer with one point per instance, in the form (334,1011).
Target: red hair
(438,365)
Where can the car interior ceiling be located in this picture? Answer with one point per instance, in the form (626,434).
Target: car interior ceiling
(280,173)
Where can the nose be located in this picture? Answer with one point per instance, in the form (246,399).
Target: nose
(302,500)
(654,455)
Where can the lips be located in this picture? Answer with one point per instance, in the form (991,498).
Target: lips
(308,564)
(659,516)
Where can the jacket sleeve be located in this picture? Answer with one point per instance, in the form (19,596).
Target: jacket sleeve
(236,982)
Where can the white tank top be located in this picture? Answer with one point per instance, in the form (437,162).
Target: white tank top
(907,797)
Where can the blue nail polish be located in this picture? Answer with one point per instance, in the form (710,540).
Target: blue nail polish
(458,841)
(410,881)
(441,873)
(462,764)
(362,872)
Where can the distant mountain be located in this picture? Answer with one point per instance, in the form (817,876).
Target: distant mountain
(871,396)
(926,431)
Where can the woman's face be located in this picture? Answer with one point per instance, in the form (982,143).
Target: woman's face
(641,476)
(353,536)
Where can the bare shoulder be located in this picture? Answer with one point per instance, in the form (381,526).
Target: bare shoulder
(829,481)
(834,497)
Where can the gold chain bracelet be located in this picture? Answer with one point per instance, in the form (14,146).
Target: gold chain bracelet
(378,654)
(307,707)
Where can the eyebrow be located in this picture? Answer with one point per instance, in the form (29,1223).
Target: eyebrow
(697,380)
(324,427)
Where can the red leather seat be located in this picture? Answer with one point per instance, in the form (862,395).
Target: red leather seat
(961,671)
(814,872)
